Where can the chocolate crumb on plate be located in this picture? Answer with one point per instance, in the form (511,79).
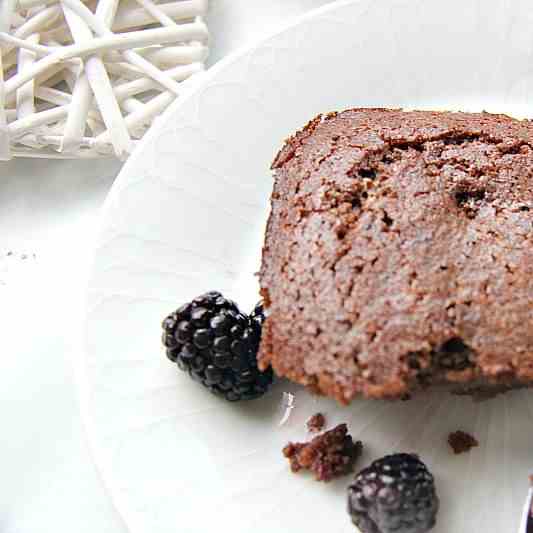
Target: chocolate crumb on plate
(329,455)
(316,423)
(461,442)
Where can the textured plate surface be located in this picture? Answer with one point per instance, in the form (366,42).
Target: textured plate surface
(187,215)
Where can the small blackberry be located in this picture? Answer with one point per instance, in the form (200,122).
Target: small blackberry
(395,494)
(258,314)
(217,345)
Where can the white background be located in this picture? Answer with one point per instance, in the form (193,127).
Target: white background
(48,217)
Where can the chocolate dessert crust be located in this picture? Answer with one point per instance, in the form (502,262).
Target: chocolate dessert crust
(399,254)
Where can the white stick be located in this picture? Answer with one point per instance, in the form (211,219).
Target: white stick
(131,18)
(56,97)
(132,39)
(39,67)
(51,76)
(85,142)
(152,71)
(25,4)
(60,34)
(126,89)
(95,127)
(131,104)
(165,55)
(91,47)
(81,94)
(140,85)
(147,67)
(158,15)
(101,86)
(96,25)
(16,20)
(52,95)
(38,22)
(6,14)
(25,97)
(104,72)
(54,128)
(124,70)
(77,117)
(38,49)
(174,55)
(106,11)
(55,45)
(150,110)
(128,17)
(184,32)
(23,125)
(25,94)
(70,76)
(44,153)
(156,12)
(29,141)
(5,151)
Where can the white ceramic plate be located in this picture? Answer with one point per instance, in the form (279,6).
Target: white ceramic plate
(187,215)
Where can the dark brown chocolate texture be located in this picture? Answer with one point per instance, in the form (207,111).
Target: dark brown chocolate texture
(399,254)
(329,455)
(461,442)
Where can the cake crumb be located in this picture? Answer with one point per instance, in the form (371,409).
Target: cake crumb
(461,442)
(329,455)
(316,423)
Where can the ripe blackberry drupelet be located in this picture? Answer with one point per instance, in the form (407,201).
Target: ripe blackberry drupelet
(258,314)
(217,345)
(395,494)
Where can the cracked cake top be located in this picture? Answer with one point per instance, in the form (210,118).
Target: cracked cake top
(399,253)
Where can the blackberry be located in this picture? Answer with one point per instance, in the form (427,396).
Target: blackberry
(258,314)
(216,344)
(394,494)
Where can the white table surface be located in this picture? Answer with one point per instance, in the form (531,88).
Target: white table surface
(48,216)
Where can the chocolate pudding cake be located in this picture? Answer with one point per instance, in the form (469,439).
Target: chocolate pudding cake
(399,254)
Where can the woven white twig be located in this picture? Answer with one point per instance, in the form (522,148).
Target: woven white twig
(86,78)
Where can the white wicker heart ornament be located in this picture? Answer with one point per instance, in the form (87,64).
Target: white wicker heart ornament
(86,78)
